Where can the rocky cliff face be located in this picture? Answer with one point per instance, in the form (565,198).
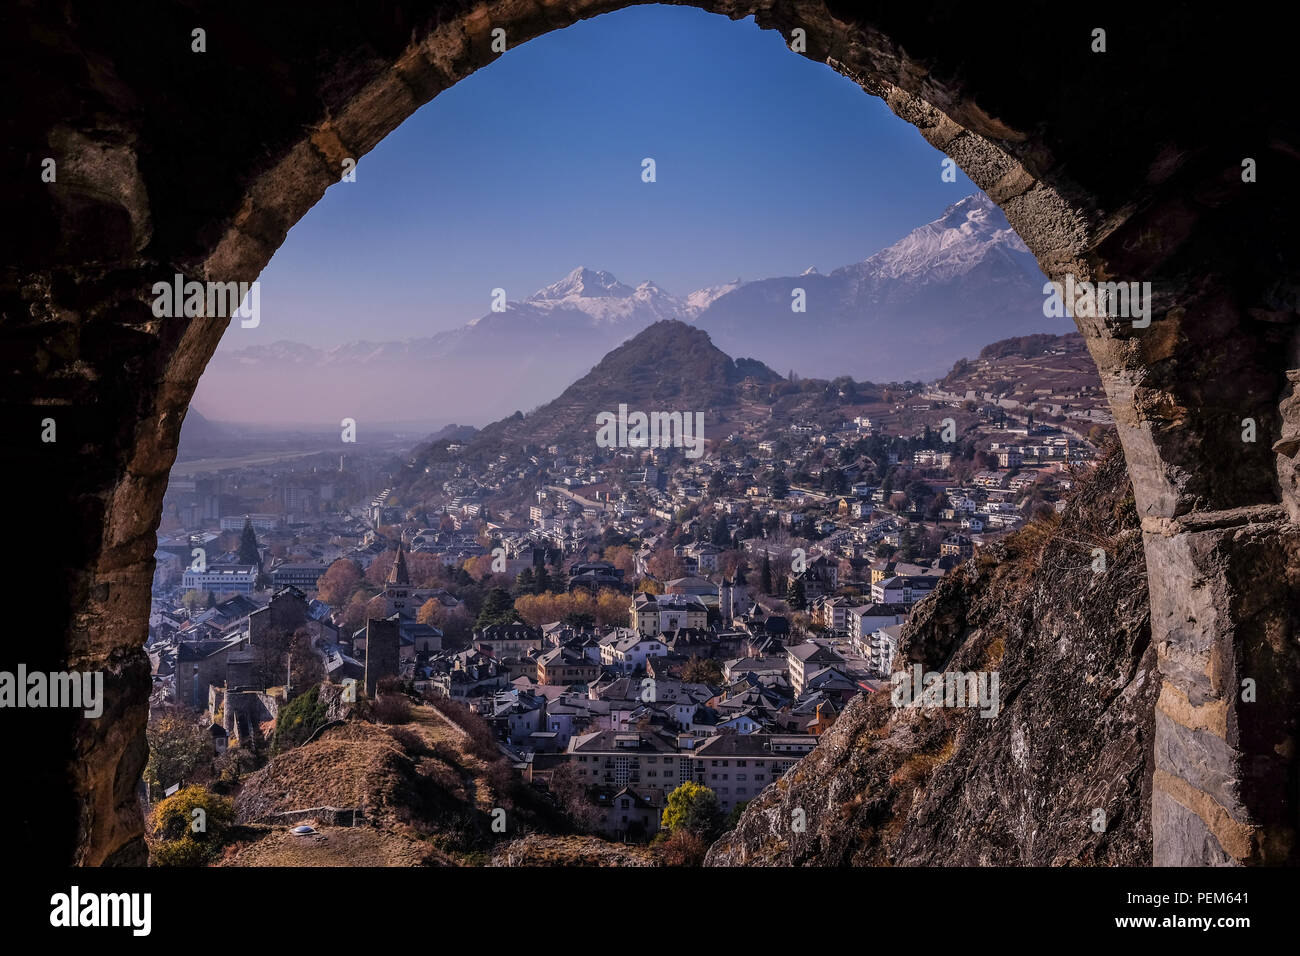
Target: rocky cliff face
(1073,734)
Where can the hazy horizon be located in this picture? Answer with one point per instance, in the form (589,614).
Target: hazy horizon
(767,164)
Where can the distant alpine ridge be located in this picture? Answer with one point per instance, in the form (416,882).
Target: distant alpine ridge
(908,312)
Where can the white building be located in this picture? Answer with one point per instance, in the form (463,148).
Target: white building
(222,579)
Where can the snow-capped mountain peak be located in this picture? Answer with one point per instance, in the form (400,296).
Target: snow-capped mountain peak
(949,246)
(583,283)
(701,299)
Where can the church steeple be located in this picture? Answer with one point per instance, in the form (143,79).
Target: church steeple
(398,574)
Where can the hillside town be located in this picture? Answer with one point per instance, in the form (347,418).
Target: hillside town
(625,620)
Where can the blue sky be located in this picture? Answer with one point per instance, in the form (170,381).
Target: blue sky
(767,163)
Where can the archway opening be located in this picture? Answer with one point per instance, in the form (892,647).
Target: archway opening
(1211,500)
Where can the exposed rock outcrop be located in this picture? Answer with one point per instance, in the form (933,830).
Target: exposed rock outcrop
(1073,735)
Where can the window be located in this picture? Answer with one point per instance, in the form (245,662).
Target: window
(740,776)
(740,763)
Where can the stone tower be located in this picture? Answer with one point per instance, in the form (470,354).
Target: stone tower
(383,651)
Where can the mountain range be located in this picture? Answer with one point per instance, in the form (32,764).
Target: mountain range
(941,292)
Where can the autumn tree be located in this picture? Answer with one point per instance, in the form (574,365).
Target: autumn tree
(354,615)
(426,570)
(694,808)
(612,608)
(377,573)
(623,558)
(479,567)
(729,562)
(377,608)
(665,565)
(430,612)
(538,609)
(179,749)
(338,582)
(702,670)
(684,848)
(193,600)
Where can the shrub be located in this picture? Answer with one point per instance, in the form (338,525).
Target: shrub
(683,848)
(297,721)
(917,768)
(179,750)
(694,808)
(190,826)
(392,708)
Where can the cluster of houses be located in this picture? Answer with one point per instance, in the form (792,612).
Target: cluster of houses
(706,681)
(624,714)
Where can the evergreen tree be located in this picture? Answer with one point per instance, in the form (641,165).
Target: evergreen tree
(720,536)
(498,608)
(543,580)
(526,582)
(795,596)
(248,553)
(765,581)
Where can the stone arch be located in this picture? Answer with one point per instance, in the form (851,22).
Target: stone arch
(1123,165)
